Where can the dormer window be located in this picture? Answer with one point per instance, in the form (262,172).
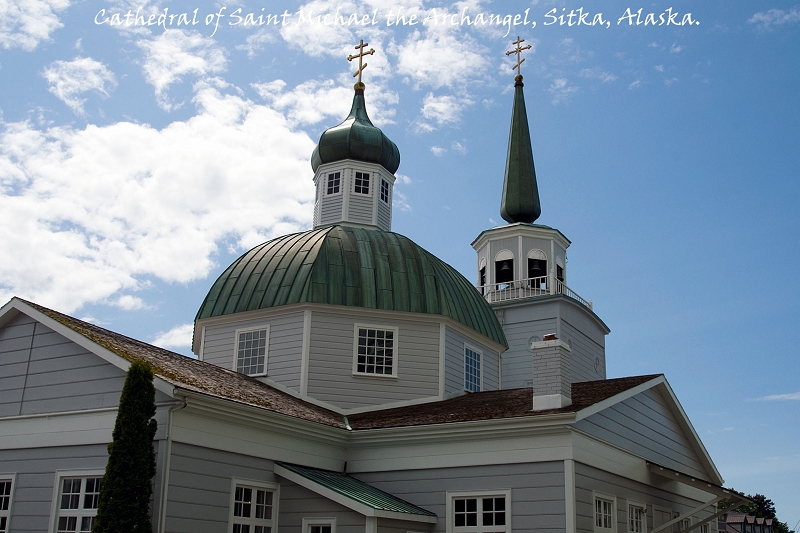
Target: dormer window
(334,183)
(361,184)
(385,191)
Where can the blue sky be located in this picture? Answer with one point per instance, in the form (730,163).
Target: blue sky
(136,162)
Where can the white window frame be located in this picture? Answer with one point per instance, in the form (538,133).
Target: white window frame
(325,183)
(275,488)
(480,367)
(6,513)
(370,187)
(308,522)
(396,339)
(639,505)
(450,509)
(704,528)
(600,496)
(236,348)
(56,502)
(388,200)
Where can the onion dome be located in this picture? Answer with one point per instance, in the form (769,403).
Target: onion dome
(520,193)
(356,138)
(349,266)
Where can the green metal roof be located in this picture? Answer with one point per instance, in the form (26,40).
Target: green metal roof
(356,490)
(356,138)
(520,193)
(344,265)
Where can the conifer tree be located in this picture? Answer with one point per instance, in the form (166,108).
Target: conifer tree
(127,484)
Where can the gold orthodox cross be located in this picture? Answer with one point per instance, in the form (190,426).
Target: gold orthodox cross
(518,50)
(361,65)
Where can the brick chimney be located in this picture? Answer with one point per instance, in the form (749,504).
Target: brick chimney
(552,381)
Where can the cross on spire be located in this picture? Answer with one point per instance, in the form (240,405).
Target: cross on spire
(518,50)
(361,65)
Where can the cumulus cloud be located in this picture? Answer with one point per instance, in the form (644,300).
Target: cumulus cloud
(458,147)
(69,79)
(178,337)
(561,90)
(597,73)
(421,56)
(97,213)
(438,111)
(177,53)
(26,23)
(765,20)
(438,151)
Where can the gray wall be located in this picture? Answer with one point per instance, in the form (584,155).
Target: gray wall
(330,206)
(298,503)
(330,372)
(537,491)
(645,425)
(587,340)
(519,325)
(285,346)
(361,206)
(42,371)
(454,362)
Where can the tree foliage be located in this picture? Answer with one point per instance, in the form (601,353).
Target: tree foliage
(761,507)
(127,485)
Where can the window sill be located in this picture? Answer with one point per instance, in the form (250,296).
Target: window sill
(379,376)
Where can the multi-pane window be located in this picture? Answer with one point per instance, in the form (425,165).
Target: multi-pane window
(321,528)
(702,529)
(5,504)
(603,514)
(636,519)
(251,351)
(472,369)
(252,510)
(319,525)
(334,183)
(480,513)
(77,504)
(361,184)
(385,191)
(375,351)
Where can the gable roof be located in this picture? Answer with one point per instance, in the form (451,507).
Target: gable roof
(353,493)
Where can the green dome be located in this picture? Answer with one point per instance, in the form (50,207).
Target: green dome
(343,265)
(356,138)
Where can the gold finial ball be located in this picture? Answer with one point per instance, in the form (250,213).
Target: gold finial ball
(359,86)
(518,78)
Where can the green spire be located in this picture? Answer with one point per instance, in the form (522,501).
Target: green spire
(520,193)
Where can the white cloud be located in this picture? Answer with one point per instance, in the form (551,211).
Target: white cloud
(92,214)
(458,147)
(440,59)
(256,42)
(399,201)
(775,17)
(653,45)
(789,396)
(176,53)
(561,90)
(26,23)
(438,151)
(674,49)
(127,302)
(178,337)
(402,178)
(69,79)
(659,68)
(635,84)
(596,73)
(438,111)
(670,81)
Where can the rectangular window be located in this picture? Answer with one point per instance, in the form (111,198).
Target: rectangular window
(251,351)
(375,351)
(319,525)
(254,507)
(479,513)
(604,515)
(385,191)
(702,529)
(334,183)
(361,184)
(472,369)
(76,503)
(5,503)
(637,520)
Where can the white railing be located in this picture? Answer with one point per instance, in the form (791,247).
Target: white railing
(529,288)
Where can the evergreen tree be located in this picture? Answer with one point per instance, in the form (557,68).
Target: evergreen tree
(127,485)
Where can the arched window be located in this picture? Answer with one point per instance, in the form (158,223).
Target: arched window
(504,267)
(560,269)
(482,275)
(537,269)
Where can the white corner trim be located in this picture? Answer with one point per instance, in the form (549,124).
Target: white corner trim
(442,336)
(306,352)
(570,495)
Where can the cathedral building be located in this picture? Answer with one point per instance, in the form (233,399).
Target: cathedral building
(349,381)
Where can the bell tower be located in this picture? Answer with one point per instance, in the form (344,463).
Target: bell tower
(555,338)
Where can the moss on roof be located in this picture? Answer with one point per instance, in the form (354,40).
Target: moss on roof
(344,265)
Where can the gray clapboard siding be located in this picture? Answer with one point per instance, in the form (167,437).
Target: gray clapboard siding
(588,479)
(645,425)
(36,476)
(537,491)
(386,525)
(585,353)
(331,209)
(285,346)
(361,207)
(298,502)
(454,362)
(330,372)
(520,325)
(199,493)
(45,372)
